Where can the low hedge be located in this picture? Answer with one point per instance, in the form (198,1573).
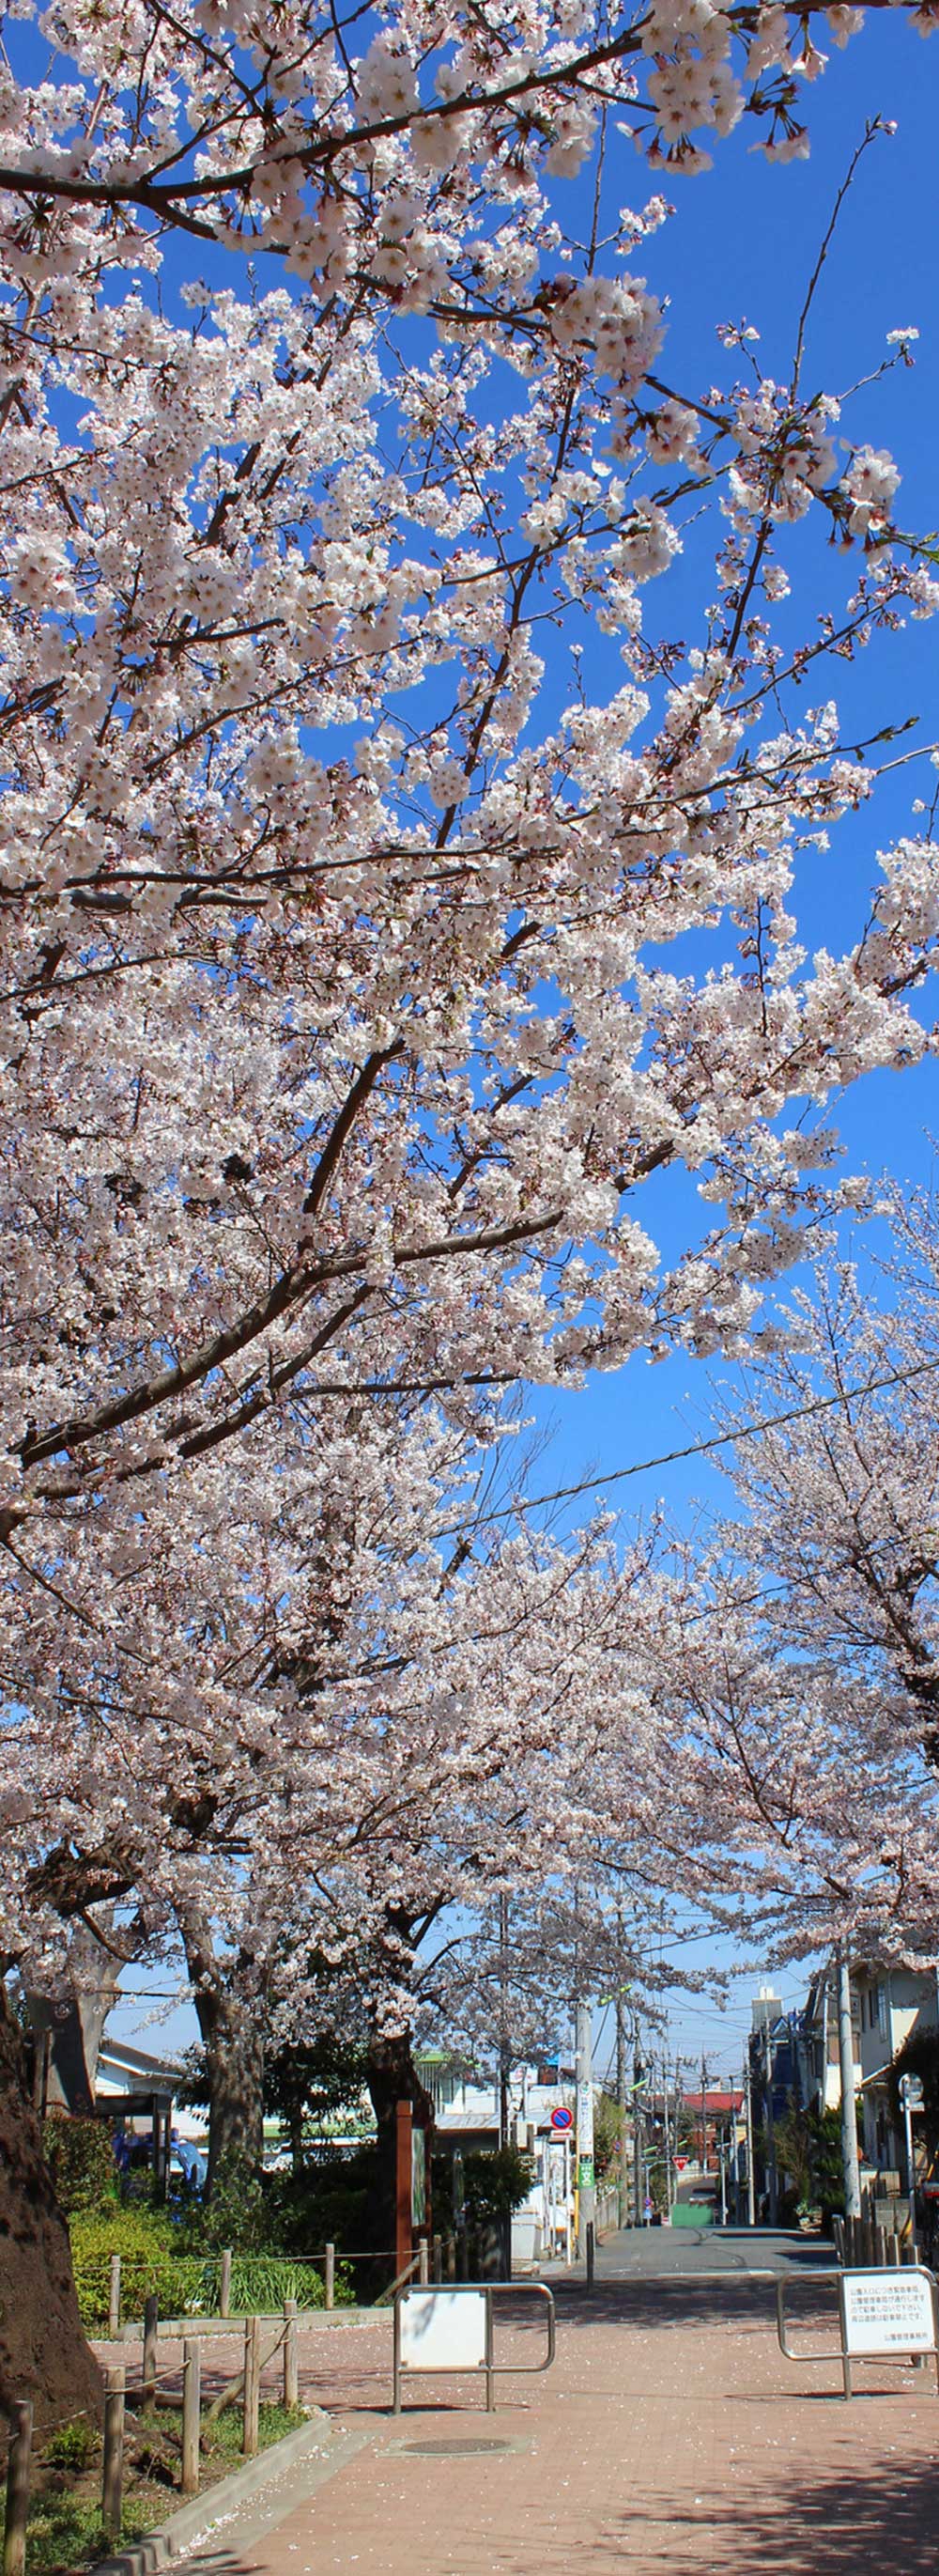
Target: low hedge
(182,2284)
(148,2266)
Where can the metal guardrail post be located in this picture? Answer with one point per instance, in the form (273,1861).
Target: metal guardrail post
(489,2292)
(886,2353)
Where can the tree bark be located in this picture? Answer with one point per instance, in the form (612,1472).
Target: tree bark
(74,2014)
(234,2057)
(392,2078)
(43,2352)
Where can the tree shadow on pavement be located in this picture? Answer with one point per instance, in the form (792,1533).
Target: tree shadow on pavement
(822,2523)
(664,2302)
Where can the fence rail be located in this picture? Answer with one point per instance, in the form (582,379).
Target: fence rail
(246,2385)
(454,2257)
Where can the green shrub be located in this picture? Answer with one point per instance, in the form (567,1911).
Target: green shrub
(496,2180)
(182,2284)
(71,2445)
(149,2267)
(80,2158)
(261,2282)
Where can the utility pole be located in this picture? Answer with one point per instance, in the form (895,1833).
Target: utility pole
(704,2118)
(639,2126)
(503,2021)
(621,2194)
(586,2188)
(771,2174)
(668,2140)
(906,2104)
(748,2118)
(852,2177)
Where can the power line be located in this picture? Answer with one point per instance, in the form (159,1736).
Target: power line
(717,1440)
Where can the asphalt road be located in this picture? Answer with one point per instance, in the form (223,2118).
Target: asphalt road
(697,2253)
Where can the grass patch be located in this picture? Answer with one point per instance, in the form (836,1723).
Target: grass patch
(65,2532)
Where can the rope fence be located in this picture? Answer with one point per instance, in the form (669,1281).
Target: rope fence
(443,2258)
(439,2259)
(24,2434)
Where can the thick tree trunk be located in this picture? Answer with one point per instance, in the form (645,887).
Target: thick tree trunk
(393,2078)
(74,2013)
(234,2056)
(43,2352)
(231,2025)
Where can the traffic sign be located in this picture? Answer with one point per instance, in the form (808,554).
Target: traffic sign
(562,2119)
(679,2163)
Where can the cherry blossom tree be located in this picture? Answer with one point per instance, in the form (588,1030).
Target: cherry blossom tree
(338,1039)
(289,1751)
(842,1498)
(793,1656)
(333,974)
(792,1789)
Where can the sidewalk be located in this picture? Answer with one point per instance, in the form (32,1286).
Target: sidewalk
(670,2434)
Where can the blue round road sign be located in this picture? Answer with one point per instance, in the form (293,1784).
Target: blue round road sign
(561,2118)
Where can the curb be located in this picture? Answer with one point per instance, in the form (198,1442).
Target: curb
(178,2329)
(221,2502)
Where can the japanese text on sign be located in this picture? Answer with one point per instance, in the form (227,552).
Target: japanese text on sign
(887,2312)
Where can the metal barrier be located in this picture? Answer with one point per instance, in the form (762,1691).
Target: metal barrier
(882,2314)
(452,2330)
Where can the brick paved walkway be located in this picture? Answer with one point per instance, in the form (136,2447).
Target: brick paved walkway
(670,2434)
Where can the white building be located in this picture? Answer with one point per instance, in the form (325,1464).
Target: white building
(466,2118)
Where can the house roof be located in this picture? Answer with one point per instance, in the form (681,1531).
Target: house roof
(714,2102)
(116,2058)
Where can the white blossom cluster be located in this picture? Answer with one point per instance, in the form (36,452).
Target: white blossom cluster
(387,892)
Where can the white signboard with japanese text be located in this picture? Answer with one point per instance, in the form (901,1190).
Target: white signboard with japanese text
(887,2311)
(443,2330)
(585,2119)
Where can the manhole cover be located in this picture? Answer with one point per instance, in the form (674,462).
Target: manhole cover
(452,2450)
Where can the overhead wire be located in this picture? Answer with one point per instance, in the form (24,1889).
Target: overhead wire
(715,1440)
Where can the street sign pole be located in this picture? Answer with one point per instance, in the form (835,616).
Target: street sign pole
(852,2177)
(586,2189)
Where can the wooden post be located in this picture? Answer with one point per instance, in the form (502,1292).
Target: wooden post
(404,2243)
(423,2266)
(252,2400)
(438,2258)
(18,2466)
(329,2287)
(114,2296)
(192,2405)
(224,2287)
(148,2377)
(291,2375)
(112,2475)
